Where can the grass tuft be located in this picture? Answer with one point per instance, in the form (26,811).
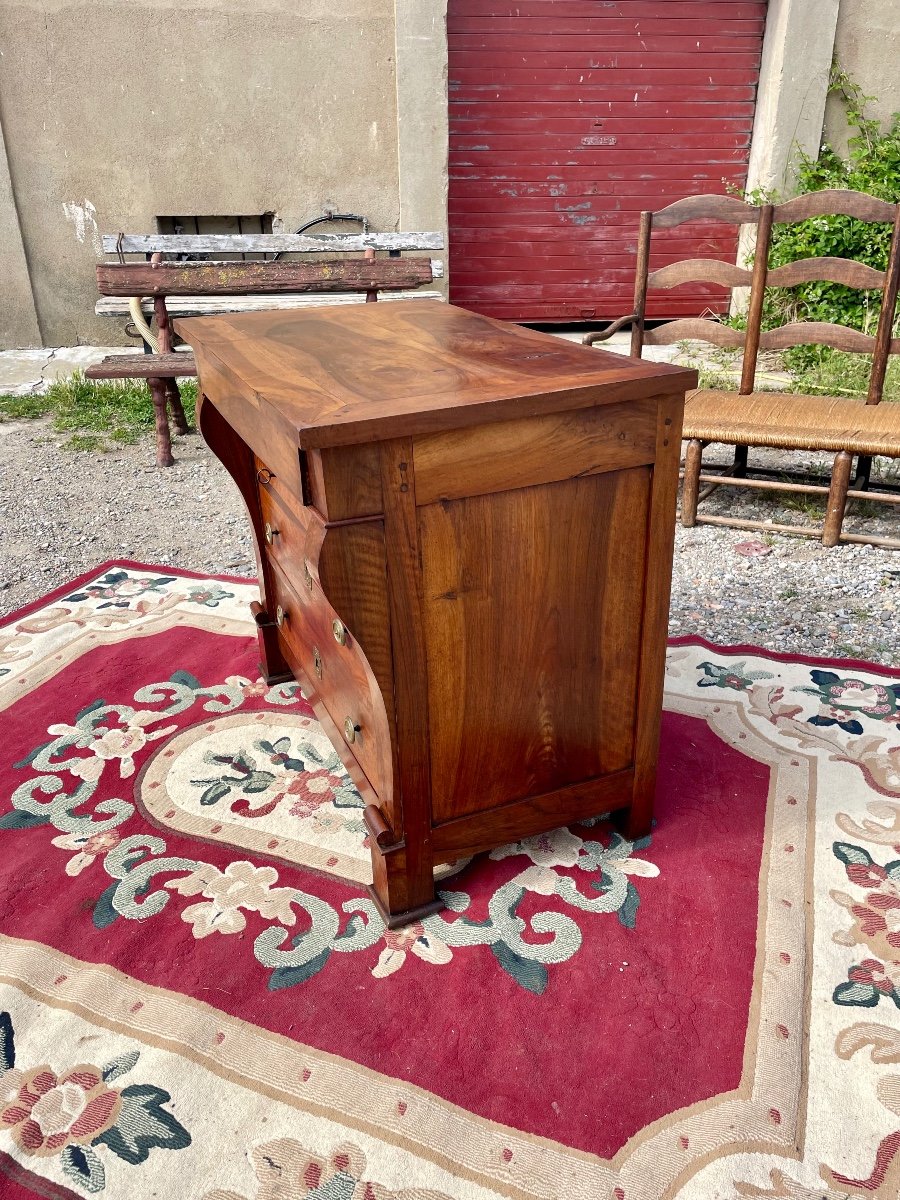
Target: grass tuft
(828,372)
(23,408)
(97,413)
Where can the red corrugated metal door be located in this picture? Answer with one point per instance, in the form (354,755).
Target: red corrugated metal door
(567,117)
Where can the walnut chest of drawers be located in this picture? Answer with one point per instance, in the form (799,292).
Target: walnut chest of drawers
(464,533)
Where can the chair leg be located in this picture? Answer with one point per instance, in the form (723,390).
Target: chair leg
(837,498)
(863,471)
(179,420)
(739,466)
(163,439)
(693,460)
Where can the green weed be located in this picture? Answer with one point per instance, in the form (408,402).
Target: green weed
(95,412)
(23,408)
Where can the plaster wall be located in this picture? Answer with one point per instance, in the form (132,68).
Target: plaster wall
(867,47)
(115,113)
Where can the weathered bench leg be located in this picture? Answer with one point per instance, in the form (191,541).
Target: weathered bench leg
(163,439)
(837,498)
(179,420)
(690,492)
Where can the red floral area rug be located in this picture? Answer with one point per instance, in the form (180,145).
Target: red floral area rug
(199,1001)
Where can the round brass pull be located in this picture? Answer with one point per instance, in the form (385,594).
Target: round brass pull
(271,534)
(340,633)
(264,476)
(351,730)
(317,662)
(280,616)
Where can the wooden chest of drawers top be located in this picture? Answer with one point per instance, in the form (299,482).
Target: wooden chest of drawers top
(362,374)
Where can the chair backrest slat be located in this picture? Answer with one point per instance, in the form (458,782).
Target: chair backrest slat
(246,278)
(727,209)
(834,202)
(699,270)
(830,270)
(821,333)
(694,329)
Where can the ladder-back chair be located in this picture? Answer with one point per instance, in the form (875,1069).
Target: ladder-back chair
(844,426)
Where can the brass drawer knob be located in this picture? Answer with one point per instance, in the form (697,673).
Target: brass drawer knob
(339,631)
(280,616)
(271,534)
(317,662)
(351,730)
(264,476)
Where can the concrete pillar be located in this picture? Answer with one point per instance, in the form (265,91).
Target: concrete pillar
(867,47)
(790,103)
(18,315)
(422,114)
(793,88)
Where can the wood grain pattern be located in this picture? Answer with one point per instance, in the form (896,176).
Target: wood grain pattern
(350,375)
(519,819)
(266,243)
(261,427)
(727,209)
(344,686)
(408,810)
(821,333)
(143,366)
(470,608)
(198,306)
(757,299)
(834,202)
(347,481)
(240,278)
(532,622)
(694,329)
(712,270)
(658,577)
(834,270)
(471,462)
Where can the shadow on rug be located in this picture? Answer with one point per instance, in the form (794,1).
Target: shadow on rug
(199,1000)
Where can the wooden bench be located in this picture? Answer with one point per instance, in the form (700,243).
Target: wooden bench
(845,427)
(197,286)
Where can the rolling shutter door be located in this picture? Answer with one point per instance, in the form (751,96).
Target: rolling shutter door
(567,117)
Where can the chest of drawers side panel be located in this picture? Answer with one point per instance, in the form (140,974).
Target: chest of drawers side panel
(532,604)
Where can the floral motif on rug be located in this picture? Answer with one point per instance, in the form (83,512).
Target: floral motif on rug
(193,977)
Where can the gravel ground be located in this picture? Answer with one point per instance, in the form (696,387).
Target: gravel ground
(63,512)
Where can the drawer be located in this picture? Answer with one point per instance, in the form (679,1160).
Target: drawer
(533,450)
(315,640)
(285,532)
(287,489)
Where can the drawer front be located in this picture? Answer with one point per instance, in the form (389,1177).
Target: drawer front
(285,533)
(534,450)
(288,490)
(315,639)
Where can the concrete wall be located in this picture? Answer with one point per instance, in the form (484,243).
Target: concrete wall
(114,113)
(867,47)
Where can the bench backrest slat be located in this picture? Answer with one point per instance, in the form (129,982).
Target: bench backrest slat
(267,243)
(245,278)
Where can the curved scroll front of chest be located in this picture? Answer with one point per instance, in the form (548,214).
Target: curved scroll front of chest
(324,605)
